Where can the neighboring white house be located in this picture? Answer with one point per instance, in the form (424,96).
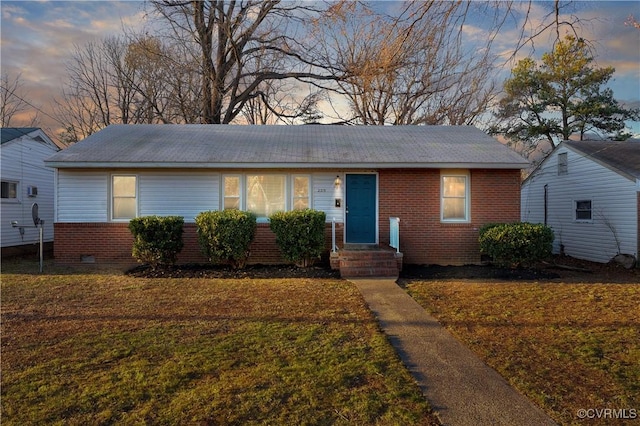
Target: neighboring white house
(25,181)
(589,193)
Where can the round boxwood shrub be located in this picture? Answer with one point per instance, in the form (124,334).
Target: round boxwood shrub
(516,244)
(225,236)
(299,235)
(157,241)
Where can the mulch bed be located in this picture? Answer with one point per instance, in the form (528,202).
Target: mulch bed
(222,271)
(559,268)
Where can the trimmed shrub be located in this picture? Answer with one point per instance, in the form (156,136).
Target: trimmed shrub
(225,236)
(516,244)
(299,235)
(157,240)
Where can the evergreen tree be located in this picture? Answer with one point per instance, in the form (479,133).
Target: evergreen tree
(561,96)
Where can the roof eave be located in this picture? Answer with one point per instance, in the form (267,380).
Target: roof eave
(186,165)
(603,163)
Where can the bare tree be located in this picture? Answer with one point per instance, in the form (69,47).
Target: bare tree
(13,103)
(421,65)
(411,68)
(137,79)
(243,47)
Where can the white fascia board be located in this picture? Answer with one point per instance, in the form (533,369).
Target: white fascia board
(163,165)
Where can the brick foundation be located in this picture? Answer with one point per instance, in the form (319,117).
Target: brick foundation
(111,244)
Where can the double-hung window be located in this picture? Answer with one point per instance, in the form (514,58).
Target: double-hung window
(300,194)
(231,196)
(583,210)
(124,193)
(454,190)
(9,190)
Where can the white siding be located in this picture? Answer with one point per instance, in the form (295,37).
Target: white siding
(23,162)
(324,194)
(82,196)
(614,207)
(183,194)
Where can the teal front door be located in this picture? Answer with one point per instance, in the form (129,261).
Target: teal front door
(360,208)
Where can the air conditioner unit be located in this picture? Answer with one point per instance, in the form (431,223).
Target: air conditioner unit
(32,191)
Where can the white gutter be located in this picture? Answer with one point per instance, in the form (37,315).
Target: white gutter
(165,165)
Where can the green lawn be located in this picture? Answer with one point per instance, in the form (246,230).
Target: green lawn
(568,346)
(104,348)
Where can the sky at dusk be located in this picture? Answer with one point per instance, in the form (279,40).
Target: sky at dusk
(38,38)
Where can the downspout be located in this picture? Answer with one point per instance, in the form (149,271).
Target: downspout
(546,202)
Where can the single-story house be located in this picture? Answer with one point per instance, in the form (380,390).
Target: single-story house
(442,182)
(589,193)
(25,182)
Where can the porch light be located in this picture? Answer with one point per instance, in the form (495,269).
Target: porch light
(337,182)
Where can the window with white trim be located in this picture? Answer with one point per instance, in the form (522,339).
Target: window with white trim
(9,190)
(231,194)
(454,190)
(300,199)
(583,210)
(265,194)
(124,197)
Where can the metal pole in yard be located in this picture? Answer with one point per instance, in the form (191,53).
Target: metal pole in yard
(41,226)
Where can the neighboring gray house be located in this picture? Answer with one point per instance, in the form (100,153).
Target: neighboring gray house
(589,193)
(25,181)
(442,182)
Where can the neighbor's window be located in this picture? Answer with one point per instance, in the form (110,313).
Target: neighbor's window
(583,210)
(563,164)
(231,193)
(124,193)
(455,198)
(9,190)
(265,194)
(300,196)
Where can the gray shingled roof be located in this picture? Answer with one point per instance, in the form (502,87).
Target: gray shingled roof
(620,156)
(309,146)
(10,133)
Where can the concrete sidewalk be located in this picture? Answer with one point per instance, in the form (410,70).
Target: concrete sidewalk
(461,389)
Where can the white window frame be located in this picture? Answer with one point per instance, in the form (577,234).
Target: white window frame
(112,197)
(241,185)
(293,197)
(467,195)
(575,211)
(15,199)
(289,193)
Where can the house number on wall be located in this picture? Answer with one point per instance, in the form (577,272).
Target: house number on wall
(322,190)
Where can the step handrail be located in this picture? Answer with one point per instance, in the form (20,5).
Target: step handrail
(394,233)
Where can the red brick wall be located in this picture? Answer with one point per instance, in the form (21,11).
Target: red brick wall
(106,243)
(111,243)
(411,195)
(414,197)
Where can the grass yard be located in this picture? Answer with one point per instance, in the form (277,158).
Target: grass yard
(105,348)
(568,346)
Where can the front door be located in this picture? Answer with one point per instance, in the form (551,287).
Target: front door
(360,208)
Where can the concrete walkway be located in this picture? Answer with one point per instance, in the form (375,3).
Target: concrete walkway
(461,389)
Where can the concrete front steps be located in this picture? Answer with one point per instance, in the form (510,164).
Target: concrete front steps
(367,261)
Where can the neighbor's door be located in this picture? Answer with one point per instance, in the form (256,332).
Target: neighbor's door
(360,208)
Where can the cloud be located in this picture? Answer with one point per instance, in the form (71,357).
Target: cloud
(38,38)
